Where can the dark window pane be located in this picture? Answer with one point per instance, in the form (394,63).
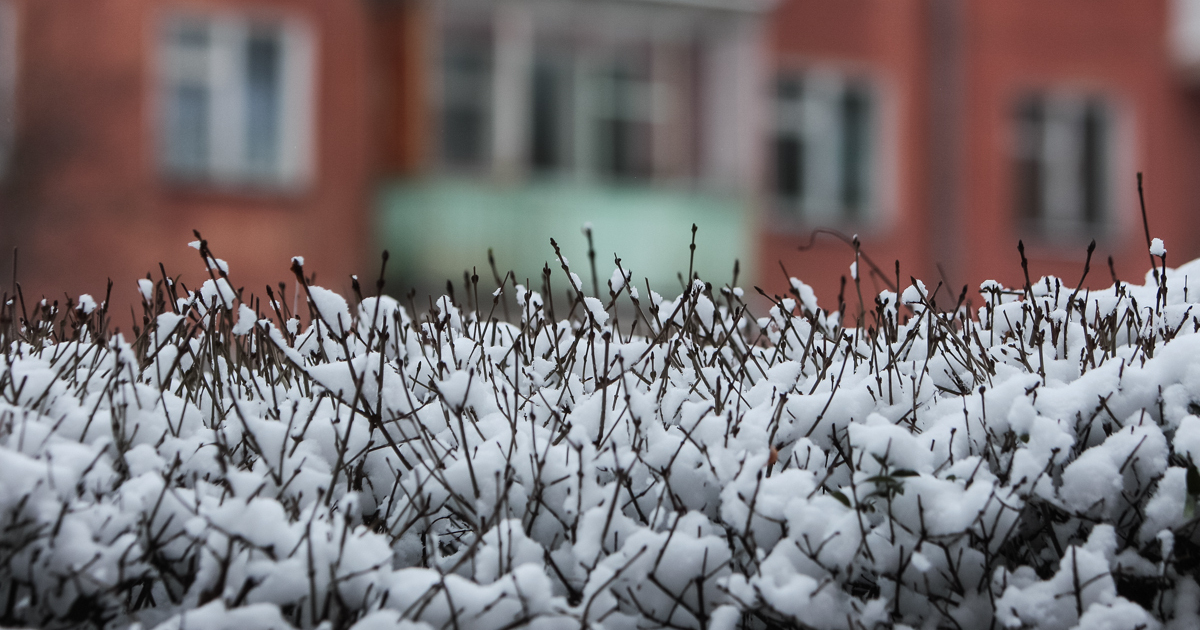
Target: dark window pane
(546,152)
(263,95)
(466,101)
(855,112)
(1028,193)
(1092,163)
(789,167)
(462,135)
(629,149)
(788,89)
(625,132)
(789,145)
(192,34)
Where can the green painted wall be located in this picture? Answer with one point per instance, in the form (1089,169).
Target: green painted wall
(437,228)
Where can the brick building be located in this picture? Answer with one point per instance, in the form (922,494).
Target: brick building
(130,123)
(990,122)
(939,131)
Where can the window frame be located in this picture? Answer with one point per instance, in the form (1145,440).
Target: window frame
(222,69)
(820,96)
(621,114)
(1050,136)
(465,36)
(552,129)
(568,72)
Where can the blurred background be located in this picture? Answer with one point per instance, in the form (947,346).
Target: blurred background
(938,131)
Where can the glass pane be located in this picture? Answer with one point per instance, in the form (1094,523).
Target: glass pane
(188,144)
(855,108)
(466,100)
(550,111)
(192,35)
(788,89)
(1029,189)
(263,73)
(1092,162)
(187,100)
(789,167)
(624,127)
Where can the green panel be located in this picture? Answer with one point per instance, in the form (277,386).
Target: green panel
(437,228)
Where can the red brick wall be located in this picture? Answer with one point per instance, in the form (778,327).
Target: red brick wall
(884,39)
(1116,47)
(85,200)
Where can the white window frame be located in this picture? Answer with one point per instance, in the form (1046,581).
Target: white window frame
(8,83)
(815,119)
(223,71)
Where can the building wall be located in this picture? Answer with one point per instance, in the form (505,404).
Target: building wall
(885,41)
(1115,47)
(442,214)
(952,73)
(402,38)
(85,199)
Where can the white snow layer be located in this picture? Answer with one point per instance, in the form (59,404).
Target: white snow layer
(1019,466)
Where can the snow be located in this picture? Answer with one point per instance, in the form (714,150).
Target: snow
(596,309)
(1157,248)
(808,297)
(618,281)
(359,466)
(332,310)
(146,289)
(246,320)
(87,304)
(217,293)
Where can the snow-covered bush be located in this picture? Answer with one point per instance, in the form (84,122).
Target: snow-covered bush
(231,463)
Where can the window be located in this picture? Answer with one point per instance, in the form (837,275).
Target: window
(1061,161)
(551,121)
(593,110)
(466,99)
(8,82)
(823,153)
(599,108)
(623,117)
(236,101)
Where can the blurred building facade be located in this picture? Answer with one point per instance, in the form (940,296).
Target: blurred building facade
(937,131)
(993,122)
(130,123)
(520,121)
